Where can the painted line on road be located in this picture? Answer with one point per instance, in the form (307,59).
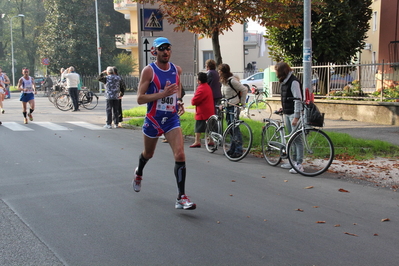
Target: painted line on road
(51,126)
(87,125)
(14,126)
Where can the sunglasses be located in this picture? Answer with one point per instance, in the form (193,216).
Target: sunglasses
(163,48)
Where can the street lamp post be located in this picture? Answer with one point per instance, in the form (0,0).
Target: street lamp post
(12,49)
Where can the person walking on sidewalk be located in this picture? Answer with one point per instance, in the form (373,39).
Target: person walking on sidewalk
(72,80)
(112,89)
(160,89)
(26,85)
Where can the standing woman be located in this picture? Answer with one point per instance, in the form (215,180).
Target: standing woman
(26,85)
(235,93)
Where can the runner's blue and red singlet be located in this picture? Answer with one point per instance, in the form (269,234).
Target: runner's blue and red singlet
(161,114)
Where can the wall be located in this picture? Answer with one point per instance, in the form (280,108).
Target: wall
(383,113)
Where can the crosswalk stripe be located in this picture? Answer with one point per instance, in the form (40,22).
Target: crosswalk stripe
(87,125)
(14,126)
(51,126)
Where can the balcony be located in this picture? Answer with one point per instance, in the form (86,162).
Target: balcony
(127,41)
(251,40)
(125,6)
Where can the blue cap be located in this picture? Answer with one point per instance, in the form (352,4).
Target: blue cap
(159,41)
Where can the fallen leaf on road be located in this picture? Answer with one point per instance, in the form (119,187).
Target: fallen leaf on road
(285,181)
(233,181)
(385,220)
(337,225)
(343,190)
(375,234)
(300,210)
(315,206)
(346,233)
(321,222)
(309,187)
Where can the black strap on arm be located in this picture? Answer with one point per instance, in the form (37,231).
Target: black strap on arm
(231,85)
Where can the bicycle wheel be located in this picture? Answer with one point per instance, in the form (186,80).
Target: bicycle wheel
(237,140)
(51,95)
(313,149)
(89,100)
(272,143)
(213,127)
(259,110)
(63,102)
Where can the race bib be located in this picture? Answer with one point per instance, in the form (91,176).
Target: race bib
(167,104)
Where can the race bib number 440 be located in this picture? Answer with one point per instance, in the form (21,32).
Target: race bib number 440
(166,104)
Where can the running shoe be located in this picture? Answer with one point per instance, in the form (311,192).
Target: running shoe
(25,120)
(30,117)
(185,203)
(108,126)
(2,111)
(299,166)
(136,183)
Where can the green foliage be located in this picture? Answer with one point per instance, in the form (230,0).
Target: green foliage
(125,63)
(69,38)
(391,93)
(351,90)
(345,145)
(339,28)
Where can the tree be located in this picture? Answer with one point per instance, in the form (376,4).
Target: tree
(339,31)
(68,37)
(125,63)
(211,18)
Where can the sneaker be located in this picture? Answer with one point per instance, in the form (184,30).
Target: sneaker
(30,117)
(185,203)
(300,168)
(2,111)
(286,166)
(25,120)
(108,126)
(136,183)
(119,125)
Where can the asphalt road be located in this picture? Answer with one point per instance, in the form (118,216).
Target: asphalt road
(66,199)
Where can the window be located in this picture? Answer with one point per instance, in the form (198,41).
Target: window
(207,55)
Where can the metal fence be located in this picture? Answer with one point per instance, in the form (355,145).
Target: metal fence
(328,78)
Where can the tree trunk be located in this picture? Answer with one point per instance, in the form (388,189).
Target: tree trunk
(216,48)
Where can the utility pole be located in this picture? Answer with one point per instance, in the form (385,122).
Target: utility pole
(307,47)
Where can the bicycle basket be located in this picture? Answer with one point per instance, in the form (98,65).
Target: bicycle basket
(314,117)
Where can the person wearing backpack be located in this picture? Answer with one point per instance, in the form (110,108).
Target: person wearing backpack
(235,93)
(291,88)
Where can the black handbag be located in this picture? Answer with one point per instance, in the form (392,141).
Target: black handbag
(314,116)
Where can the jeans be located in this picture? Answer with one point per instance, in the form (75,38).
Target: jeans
(298,150)
(112,110)
(236,140)
(73,92)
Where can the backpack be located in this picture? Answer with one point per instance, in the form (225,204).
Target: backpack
(314,117)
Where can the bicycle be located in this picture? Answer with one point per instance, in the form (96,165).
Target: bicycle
(258,107)
(87,99)
(55,90)
(306,141)
(237,133)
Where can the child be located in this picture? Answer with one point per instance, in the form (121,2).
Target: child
(204,107)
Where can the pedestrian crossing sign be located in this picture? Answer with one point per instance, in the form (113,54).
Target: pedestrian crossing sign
(151,20)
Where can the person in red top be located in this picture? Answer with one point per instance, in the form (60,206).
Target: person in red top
(204,107)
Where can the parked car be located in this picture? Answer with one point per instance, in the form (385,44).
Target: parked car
(38,82)
(255,79)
